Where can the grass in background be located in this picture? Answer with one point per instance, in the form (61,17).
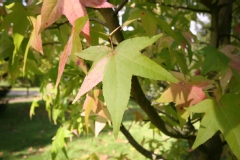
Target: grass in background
(22,138)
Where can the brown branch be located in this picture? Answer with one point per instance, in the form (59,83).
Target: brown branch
(57,25)
(120,6)
(50,43)
(168,115)
(138,147)
(226,35)
(186,8)
(181,7)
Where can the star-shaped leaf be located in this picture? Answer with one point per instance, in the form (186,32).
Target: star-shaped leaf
(219,116)
(72,9)
(185,94)
(115,69)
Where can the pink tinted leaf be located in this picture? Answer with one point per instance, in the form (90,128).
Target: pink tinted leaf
(93,78)
(72,9)
(73,46)
(184,94)
(235,58)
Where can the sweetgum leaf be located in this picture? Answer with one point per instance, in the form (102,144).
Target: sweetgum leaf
(117,67)
(185,94)
(219,116)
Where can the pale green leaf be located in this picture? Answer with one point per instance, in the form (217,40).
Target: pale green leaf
(116,90)
(208,127)
(32,108)
(221,116)
(94,53)
(59,141)
(141,65)
(135,44)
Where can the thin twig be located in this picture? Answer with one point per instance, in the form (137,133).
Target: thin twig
(168,115)
(50,43)
(226,35)
(138,147)
(57,25)
(120,6)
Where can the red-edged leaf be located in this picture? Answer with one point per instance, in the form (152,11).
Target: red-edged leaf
(93,78)
(73,46)
(235,58)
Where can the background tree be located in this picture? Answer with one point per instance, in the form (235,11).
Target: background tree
(194,78)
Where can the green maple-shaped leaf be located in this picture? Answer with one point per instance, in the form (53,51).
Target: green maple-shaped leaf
(223,116)
(115,69)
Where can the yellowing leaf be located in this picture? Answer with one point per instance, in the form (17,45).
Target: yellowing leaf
(93,106)
(115,68)
(89,103)
(221,116)
(35,39)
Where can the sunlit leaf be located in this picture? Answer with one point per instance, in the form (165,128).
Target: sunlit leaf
(116,70)
(219,116)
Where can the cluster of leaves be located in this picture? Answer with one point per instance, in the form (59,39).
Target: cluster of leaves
(205,80)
